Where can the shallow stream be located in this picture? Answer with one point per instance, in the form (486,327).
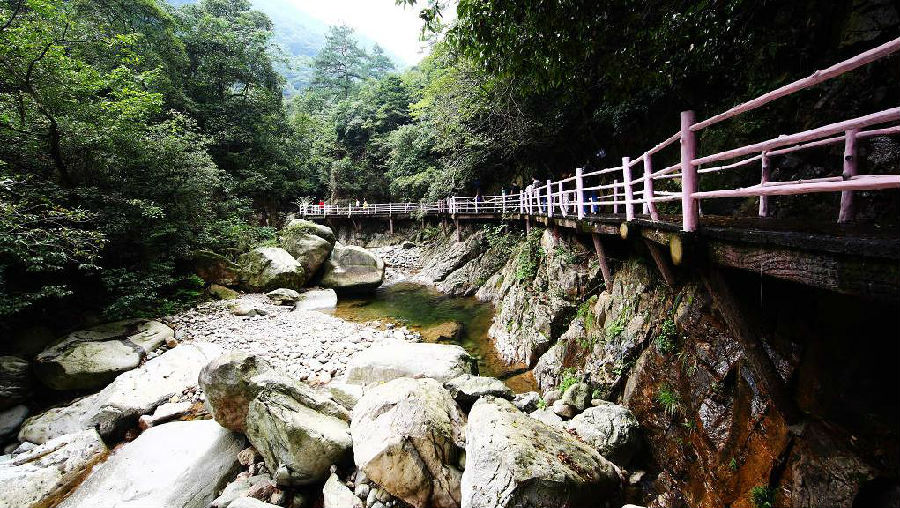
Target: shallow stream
(439,318)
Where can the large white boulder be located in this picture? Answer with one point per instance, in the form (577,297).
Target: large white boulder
(352,268)
(610,428)
(178,464)
(267,268)
(317,299)
(91,358)
(407,437)
(234,379)
(43,474)
(394,359)
(513,460)
(308,242)
(297,443)
(130,395)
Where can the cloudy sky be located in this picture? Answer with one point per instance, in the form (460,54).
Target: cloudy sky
(395,28)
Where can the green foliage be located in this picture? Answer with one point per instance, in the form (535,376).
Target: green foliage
(667,339)
(615,328)
(668,400)
(762,496)
(569,378)
(542,404)
(564,254)
(585,312)
(529,257)
(733,464)
(499,239)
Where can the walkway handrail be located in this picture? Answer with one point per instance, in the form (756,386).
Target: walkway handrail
(579,195)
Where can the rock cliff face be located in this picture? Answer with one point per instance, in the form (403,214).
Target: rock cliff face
(713,432)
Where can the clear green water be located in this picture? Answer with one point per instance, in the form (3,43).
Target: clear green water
(424,309)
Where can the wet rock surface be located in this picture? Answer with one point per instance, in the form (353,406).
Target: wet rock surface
(397,359)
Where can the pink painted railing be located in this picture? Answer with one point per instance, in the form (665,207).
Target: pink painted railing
(622,188)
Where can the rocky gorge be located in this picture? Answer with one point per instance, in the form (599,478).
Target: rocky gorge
(644,394)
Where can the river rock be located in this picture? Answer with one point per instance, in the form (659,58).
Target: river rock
(298,443)
(407,435)
(317,299)
(130,395)
(222,293)
(283,296)
(610,429)
(89,359)
(249,502)
(216,269)
(310,227)
(11,419)
(466,389)
(15,381)
(352,268)
(306,245)
(247,309)
(337,495)
(39,476)
(513,460)
(578,396)
(345,394)
(165,413)
(449,331)
(235,378)
(526,402)
(179,464)
(394,359)
(226,383)
(268,268)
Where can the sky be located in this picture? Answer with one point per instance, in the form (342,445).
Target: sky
(396,28)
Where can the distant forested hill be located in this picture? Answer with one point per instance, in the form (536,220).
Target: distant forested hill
(300,35)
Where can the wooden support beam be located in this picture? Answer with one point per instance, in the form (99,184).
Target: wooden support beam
(458,234)
(626,229)
(747,333)
(662,263)
(391,225)
(764,179)
(601,259)
(849,274)
(527,224)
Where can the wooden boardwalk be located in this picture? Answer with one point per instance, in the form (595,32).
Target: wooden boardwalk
(624,201)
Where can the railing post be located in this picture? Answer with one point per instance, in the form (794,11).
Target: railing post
(848,211)
(629,192)
(648,189)
(549,199)
(690,209)
(503,202)
(562,200)
(763,179)
(579,191)
(615,196)
(476,203)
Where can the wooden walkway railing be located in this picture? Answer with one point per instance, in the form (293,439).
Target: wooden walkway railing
(618,190)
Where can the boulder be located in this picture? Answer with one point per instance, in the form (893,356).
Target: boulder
(317,299)
(283,296)
(222,293)
(309,250)
(610,429)
(10,421)
(43,474)
(345,394)
(235,378)
(295,226)
(90,359)
(216,269)
(165,413)
(547,416)
(130,395)
(226,383)
(466,389)
(527,402)
(352,268)
(337,495)
(563,410)
(249,502)
(449,331)
(15,381)
(513,460)
(394,359)
(247,309)
(298,443)
(179,464)
(407,436)
(267,268)
(578,396)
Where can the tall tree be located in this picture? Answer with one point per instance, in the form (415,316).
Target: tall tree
(378,64)
(340,65)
